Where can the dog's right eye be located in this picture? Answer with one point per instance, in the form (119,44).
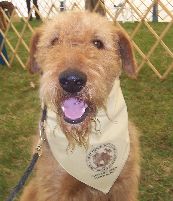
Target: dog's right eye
(54,41)
(98,44)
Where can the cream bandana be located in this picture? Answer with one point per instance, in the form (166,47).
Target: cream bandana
(101,164)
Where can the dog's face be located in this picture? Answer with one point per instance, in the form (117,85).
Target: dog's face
(79,56)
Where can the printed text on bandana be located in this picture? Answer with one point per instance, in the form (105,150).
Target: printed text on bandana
(101,160)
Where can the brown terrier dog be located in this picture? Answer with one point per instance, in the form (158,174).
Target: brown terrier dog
(91,151)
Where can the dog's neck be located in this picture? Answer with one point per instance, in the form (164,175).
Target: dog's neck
(100,165)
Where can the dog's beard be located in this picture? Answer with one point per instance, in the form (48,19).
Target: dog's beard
(77,133)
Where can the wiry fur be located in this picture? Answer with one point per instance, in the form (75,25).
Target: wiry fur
(67,42)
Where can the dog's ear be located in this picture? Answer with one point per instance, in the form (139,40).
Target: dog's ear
(126,53)
(32,63)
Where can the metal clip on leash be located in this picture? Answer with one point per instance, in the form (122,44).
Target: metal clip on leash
(35,157)
(41,131)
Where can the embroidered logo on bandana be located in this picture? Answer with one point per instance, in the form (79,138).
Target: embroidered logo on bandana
(101,159)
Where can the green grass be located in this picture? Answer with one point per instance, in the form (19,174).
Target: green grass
(150,106)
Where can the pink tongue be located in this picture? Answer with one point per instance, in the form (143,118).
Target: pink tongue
(73,108)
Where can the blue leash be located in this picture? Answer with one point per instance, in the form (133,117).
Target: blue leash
(24,178)
(34,160)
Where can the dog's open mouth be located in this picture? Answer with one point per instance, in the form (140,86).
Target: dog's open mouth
(74,110)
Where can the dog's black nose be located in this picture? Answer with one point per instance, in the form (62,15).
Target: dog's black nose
(72,81)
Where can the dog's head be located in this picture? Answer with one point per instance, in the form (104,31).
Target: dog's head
(79,56)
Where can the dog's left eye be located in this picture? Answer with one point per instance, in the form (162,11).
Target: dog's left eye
(98,44)
(54,41)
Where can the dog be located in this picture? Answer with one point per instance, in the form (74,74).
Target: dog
(3,22)
(91,150)
(95,6)
(8,7)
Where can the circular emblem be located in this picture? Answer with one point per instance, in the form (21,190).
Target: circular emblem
(101,157)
